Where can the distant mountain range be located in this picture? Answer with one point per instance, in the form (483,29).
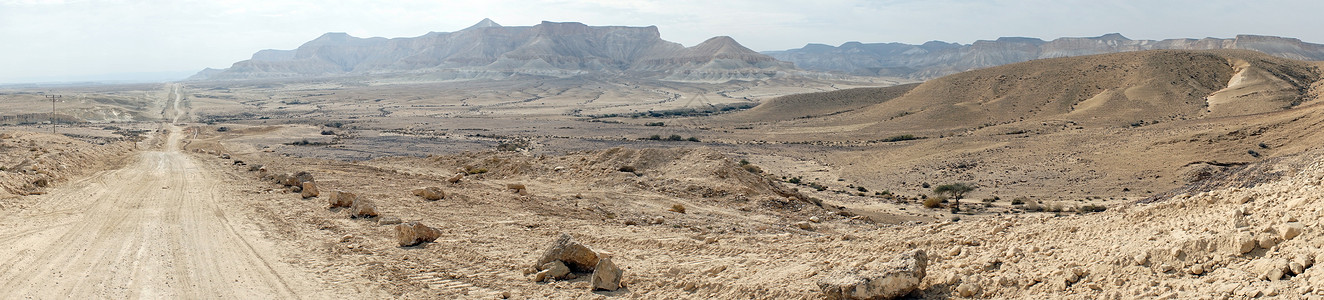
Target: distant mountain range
(489,50)
(936,59)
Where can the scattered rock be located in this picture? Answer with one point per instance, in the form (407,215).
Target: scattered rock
(658,220)
(341,199)
(389,220)
(815,219)
(455,178)
(1267,241)
(431,193)
(893,279)
(575,255)
(309,190)
(606,276)
(552,270)
(1290,230)
(1245,242)
(363,208)
(804,225)
(518,187)
(414,233)
(967,289)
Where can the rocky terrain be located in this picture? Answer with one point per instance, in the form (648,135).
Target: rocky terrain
(1152,174)
(488,50)
(935,59)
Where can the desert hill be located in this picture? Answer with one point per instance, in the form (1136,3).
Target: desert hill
(935,59)
(1120,126)
(1115,90)
(489,50)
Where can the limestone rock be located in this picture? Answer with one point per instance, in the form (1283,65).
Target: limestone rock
(455,178)
(1267,241)
(895,278)
(1290,230)
(606,276)
(309,190)
(389,220)
(341,199)
(575,255)
(1244,243)
(804,225)
(363,208)
(414,233)
(431,193)
(552,270)
(967,289)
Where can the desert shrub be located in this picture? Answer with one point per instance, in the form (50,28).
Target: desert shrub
(1034,206)
(1091,209)
(478,171)
(1019,201)
(328,132)
(989,200)
(675,137)
(924,185)
(222,129)
(744,162)
(627,169)
(794,180)
(752,169)
(932,202)
(693,139)
(654,124)
(678,208)
(862,189)
(898,138)
(654,137)
(817,186)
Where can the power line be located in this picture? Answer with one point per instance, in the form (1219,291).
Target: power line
(52,118)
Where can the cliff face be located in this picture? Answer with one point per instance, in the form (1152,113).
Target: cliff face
(935,59)
(487,47)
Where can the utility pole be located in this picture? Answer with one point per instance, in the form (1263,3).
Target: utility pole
(53,97)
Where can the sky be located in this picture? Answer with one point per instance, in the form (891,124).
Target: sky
(83,40)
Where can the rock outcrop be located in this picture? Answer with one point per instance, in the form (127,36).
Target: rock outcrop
(891,280)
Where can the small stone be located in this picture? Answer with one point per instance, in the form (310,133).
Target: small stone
(815,219)
(1142,259)
(1267,241)
(309,190)
(967,289)
(658,220)
(804,225)
(389,220)
(431,193)
(414,233)
(1165,268)
(1245,243)
(552,270)
(1290,230)
(1197,269)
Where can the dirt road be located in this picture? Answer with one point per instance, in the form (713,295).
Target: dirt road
(156,228)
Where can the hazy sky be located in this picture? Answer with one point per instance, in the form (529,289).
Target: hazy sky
(61,40)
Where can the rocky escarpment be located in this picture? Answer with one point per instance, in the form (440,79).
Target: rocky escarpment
(489,50)
(936,59)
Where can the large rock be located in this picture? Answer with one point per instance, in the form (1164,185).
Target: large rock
(575,255)
(309,190)
(414,233)
(891,280)
(363,208)
(431,193)
(297,179)
(606,276)
(341,199)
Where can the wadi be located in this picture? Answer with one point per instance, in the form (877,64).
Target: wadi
(569,161)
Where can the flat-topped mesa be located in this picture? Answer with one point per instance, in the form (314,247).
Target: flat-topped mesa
(936,59)
(547,49)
